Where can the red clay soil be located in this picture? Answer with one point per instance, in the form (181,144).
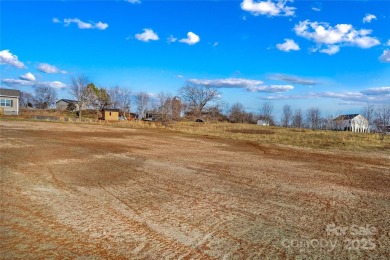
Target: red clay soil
(94,191)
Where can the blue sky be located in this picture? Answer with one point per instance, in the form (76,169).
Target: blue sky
(334,55)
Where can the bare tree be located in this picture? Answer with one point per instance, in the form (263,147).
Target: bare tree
(313,118)
(44,96)
(287,114)
(163,106)
(198,97)
(26,99)
(237,113)
(142,102)
(177,107)
(266,112)
(79,90)
(297,119)
(382,118)
(369,113)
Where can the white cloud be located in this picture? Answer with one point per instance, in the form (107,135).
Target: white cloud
(52,84)
(368,18)
(26,83)
(331,50)
(316,9)
(180,76)
(6,57)
(247,84)
(133,1)
(376,91)
(215,44)
(171,39)
(288,45)
(55,20)
(28,76)
(385,57)
(101,26)
(17,82)
(269,7)
(341,34)
(147,35)
(85,25)
(191,39)
(293,79)
(388,43)
(47,68)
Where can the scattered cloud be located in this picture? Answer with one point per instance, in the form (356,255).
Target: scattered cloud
(368,18)
(269,7)
(180,76)
(55,20)
(333,37)
(293,79)
(52,84)
(376,91)
(288,45)
(171,39)
(215,44)
(133,1)
(17,82)
(379,95)
(316,9)
(83,25)
(191,39)
(331,50)
(388,43)
(32,83)
(6,57)
(28,76)
(385,57)
(147,35)
(247,84)
(50,69)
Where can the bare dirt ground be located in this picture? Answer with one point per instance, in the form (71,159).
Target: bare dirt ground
(88,191)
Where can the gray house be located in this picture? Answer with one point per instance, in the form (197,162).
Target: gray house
(9,101)
(63,104)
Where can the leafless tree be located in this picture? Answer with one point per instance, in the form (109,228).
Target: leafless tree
(26,99)
(142,101)
(163,106)
(287,114)
(382,117)
(197,97)
(266,112)
(313,118)
(297,119)
(237,113)
(44,96)
(369,113)
(177,108)
(79,90)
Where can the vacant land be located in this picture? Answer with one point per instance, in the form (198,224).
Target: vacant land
(95,191)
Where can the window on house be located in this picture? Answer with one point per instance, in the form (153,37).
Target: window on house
(110,113)
(5,103)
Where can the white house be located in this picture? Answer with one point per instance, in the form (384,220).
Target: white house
(63,104)
(263,122)
(352,122)
(9,101)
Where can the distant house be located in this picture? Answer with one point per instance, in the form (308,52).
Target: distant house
(9,101)
(263,122)
(110,114)
(351,122)
(63,104)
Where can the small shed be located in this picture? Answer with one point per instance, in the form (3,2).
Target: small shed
(110,114)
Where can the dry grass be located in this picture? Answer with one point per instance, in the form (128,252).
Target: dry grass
(319,139)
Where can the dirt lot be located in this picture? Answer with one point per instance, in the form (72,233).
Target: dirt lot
(92,191)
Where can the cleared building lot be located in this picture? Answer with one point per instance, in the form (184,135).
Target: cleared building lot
(103,192)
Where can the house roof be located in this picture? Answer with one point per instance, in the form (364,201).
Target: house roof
(346,117)
(67,100)
(9,92)
(111,109)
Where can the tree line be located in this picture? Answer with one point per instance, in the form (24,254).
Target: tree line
(191,101)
